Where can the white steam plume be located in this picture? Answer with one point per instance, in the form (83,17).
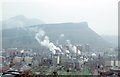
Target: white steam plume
(79,52)
(39,35)
(74,49)
(46,42)
(69,43)
(67,51)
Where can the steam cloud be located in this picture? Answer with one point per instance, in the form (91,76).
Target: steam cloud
(46,42)
(73,48)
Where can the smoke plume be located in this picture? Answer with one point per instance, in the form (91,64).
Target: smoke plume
(46,42)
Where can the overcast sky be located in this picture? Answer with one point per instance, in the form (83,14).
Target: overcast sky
(101,15)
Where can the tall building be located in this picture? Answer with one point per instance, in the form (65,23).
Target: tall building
(87,48)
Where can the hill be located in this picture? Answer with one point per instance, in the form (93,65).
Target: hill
(19,21)
(77,33)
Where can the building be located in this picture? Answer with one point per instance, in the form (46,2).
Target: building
(112,63)
(17,60)
(87,48)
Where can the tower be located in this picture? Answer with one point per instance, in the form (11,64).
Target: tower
(87,48)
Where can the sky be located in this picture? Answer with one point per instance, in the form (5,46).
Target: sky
(101,15)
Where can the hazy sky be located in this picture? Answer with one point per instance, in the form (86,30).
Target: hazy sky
(101,15)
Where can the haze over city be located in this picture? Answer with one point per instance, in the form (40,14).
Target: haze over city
(59,37)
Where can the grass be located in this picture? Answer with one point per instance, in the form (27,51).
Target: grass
(85,71)
(48,71)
